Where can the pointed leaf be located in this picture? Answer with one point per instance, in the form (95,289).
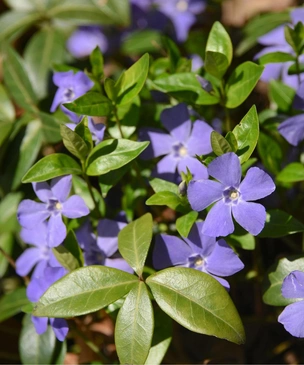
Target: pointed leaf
(91,103)
(185,223)
(11,303)
(219,144)
(292,173)
(73,142)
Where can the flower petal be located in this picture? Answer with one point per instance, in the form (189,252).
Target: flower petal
(27,260)
(30,213)
(61,187)
(292,129)
(256,185)
(199,243)
(40,324)
(223,261)
(43,191)
(160,143)
(202,193)
(198,170)
(107,235)
(274,37)
(226,169)
(199,142)
(167,164)
(292,319)
(170,251)
(75,207)
(218,221)
(251,216)
(60,328)
(177,122)
(119,263)
(35,236)
(97,130)
(297,15)
(56,231)
(293,285)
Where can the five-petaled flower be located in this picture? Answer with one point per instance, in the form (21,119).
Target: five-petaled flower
(55,204)
(200,252)
(292,316)
(184,141)
(231,196)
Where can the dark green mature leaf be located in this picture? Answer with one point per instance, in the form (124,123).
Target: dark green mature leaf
(295,37)
(219,144)
(231,139)
(185,223)
(50,127)
(247,134)
(7,111)
(159,185)
(39,349)
(112,154)
(284,267)
(294,69)
(281,94)
(270,152)
(280,224)
(198,302)
(241,83)
(131,81)
(11,303)
(216,64)
(134,326)
(170,199)
(134,242)
(83,131)
(8,212)
(44,48)
(84,290)
(17,81)
(74,143)
(173,53)
(110,179)
(291,173)
(91,103)
(185,87)
(57,164)
(275,57)
(96,60)
(5,131)
(109,86)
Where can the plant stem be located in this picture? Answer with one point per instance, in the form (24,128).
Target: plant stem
(118,123)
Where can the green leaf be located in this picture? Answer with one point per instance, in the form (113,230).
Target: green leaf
(281,94)
(17,81)
(50,127)
(185,223)
(96,60)
(241,83)
(275,57)
(74,143)
(84,290)
(112,154)
(39,349)
(294,69)
(92,104)
(173,53)
(7,111)
(216,64)
(117,10)
(134,326)
(7,244)
(294,36)
(134,241)
(5,131)
(109,86)
(247,134)
(280,224)
(273,294)
(293,172)
(219,144)
(83,131)
(168,198)
(231,139)
(185,87)
(107,181)
(8,212)
(54,165)
(245,241)
(29,149)
(159,185)
(141,41)
(131,81)
(198,302)
(46,47)
(270,152)
(11,303)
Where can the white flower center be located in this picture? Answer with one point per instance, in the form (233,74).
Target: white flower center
(234,194)
(69,94)
(182,5)
(183,151)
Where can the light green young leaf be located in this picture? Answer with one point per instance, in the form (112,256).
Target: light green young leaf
(7,111)
(74,143)
(8,212)
(185,223)
(83,291)
(170,199)
(92,104)
(219,144)
(198,302)
(293,172)
(275,57)
(270,153)
(7,244)
(159,185)
(216,64)
(134,326)
(134,242)
(96,60)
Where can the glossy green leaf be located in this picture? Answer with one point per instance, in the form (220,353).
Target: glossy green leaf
(245,241)
(275,57)
(91,103)
(83,131)
(219,144)
(84,290)
(8,212)
(241,83)
(185,223)
(54,165)
(11,303)
(74,143)
(185,87)
(198,302)
(273,286)
(216,64)
(247,134)
(7,111)
(134,326)
(17,81)
(39,349)
(281,94)
(29,150)
(159,185)
(112,154)
(231,139)
(134,242)
(293,172)
(132,81)
(170,199)
(110,179)
(96,60)
(270,152)
(280,224)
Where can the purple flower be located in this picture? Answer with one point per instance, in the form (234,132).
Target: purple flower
(56,203)
(41,255)
(199,252)
(102,250)
(231,196)
(145,16)
(292,316)
(85,39)
(184,141)
(34,291)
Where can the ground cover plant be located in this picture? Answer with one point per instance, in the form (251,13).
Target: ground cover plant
(151,182)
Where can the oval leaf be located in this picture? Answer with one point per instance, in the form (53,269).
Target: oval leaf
(219,144)
(73,142)
(92,104)
(291,173)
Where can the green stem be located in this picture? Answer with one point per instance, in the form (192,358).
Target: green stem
(118,123)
